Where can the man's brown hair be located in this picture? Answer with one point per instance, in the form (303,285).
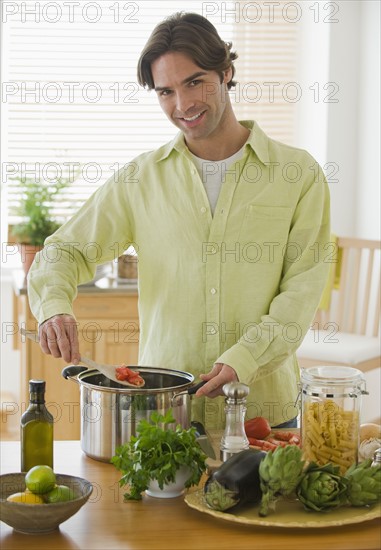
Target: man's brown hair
(192,35)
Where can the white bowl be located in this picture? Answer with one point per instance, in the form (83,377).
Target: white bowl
(170,490)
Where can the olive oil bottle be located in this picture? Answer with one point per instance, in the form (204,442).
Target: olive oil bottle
(36,429)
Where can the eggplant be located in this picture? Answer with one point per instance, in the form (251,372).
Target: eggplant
(235,482)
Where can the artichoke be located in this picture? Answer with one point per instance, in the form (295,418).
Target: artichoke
(364,483)
(280,472)
(322,487)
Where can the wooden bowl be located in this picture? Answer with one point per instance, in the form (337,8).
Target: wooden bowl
(40,518)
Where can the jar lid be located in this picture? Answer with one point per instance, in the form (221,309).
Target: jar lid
(333,375)
(333,381)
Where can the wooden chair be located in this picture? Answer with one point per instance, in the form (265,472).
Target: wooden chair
(348,331)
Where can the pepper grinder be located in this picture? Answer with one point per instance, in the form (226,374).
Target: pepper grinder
(234,439)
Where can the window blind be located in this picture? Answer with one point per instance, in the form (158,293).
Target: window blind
(71,105)
(266,37)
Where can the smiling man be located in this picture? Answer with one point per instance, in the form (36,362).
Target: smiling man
(198,103)
(241,220)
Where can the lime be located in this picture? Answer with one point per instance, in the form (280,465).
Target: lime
(60,493)
(26,498)
(40,479)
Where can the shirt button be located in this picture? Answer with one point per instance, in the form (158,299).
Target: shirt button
(213,330)
(203,210)
(222,211)
(213,290)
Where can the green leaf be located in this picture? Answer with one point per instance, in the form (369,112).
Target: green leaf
(35,207)
(157,453)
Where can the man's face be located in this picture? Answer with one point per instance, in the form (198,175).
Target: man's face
(193,99)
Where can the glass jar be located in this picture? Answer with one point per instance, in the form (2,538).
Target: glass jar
(330,419)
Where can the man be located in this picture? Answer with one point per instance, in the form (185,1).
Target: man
(229,226)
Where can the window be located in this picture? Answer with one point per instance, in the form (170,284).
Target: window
(266,36)
(70,100)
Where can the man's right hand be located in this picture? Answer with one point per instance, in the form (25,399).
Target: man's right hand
(59,337)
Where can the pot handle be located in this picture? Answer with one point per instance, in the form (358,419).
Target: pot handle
(72,370)
(192,390)
(189,391)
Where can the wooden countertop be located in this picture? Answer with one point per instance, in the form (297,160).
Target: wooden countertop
(161,524)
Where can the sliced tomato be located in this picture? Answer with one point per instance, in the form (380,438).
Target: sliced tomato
(131,376)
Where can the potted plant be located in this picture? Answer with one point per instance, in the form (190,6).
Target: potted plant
(152,460)
(37,217)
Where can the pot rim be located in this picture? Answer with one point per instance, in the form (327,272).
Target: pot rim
(81,379)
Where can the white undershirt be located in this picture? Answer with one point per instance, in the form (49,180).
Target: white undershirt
(212,174)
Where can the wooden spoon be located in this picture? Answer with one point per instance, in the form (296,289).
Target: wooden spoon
(107,370)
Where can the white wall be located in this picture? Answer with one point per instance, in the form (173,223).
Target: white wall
(367,220)
(313,74)
(342,130)
(353,132)
(346,57)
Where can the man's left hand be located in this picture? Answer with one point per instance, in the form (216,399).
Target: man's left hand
(219,375)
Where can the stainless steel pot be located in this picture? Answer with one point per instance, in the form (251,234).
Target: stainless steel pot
(111,412)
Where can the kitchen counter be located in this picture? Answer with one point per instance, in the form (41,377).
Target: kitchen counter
(161,524)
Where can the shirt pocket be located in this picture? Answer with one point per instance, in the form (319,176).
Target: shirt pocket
(264,232)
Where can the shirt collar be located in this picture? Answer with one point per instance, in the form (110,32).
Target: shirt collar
(257,140)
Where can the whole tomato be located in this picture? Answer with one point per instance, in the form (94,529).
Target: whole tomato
(257,427)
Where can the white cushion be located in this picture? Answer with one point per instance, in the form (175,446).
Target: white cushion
(325,345)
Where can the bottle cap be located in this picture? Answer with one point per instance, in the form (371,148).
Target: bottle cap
(36,386)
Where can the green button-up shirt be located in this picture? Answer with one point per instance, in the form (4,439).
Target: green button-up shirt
(239,288)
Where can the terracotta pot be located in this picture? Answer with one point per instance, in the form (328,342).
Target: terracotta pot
(27,253)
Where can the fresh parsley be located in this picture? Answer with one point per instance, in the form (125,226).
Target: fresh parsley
(157,452)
